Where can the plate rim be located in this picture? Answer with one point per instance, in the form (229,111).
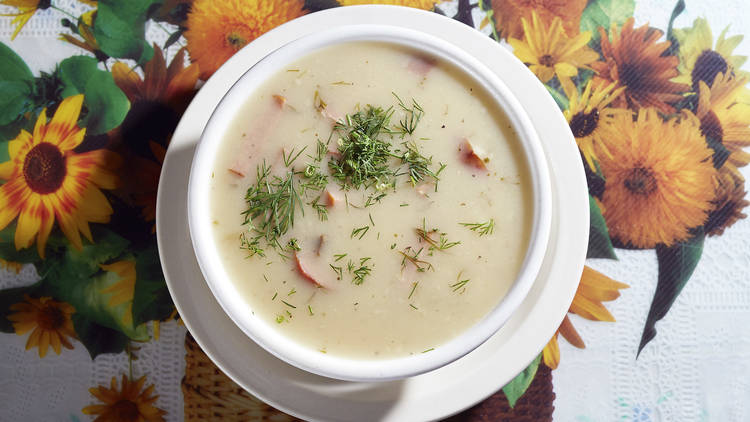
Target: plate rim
(445,28)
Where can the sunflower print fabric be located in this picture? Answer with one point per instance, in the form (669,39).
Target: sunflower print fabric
(660,114)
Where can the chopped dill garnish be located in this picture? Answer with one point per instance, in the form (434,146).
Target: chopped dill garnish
(291,292)
(339,257)
(440,244)
(372,222)
(411,256)
(342,83)
(413,115)
(288,304)
(404,205)
(459,284)
(321,209)
(418,164)
(361,272)
(375,198)
(360,232)
(337,270)
(364,155)
(271,205)
(413,306)
(288,313)
(309,308)
(428,350)
(488,227)
(290,158)
(280,319)
(393,246)
(413,288)
(251,244)
(293,245)
(265,278)
(274,296)
(318,102)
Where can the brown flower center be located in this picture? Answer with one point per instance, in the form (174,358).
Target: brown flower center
(631,76)
(50,318)
(547,60)
(125,410)
(641,181)
(44,168)
(583,124)
(235,40)
(707,66)
(711,127)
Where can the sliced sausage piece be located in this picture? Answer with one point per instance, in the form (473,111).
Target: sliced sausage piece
(469,155)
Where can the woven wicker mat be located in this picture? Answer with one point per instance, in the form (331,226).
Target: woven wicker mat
(210,395)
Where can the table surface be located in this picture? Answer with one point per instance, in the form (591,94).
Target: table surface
(663,146)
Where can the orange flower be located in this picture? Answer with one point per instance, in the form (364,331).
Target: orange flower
(728,203)
(173,85)
(593,289)
(659,178)
(218,29)
(47,180)
(508,14)
(417,4)
(129,404)
(633,59)
(50,321)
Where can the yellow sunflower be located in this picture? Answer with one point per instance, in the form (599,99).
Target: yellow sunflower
(508,14)
(26,9)
(659,178)
(128,404)
(50,321)
(728,203)
(701,59)
(587,113)
(724,113)
(417,4)
(593,289)
(47,180)
(634,59)
(548,51)
(218,29)
(123,290)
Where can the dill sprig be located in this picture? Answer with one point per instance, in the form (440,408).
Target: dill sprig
(361,272)
(409,255)
(488,227)
(459,284)
(440,244)
(359,232)
(414,114)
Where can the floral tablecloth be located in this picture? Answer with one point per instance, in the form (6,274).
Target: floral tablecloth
(656,96)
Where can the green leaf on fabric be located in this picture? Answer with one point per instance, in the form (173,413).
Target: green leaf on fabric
(559,98)
(107,105)
(15,295)
(4,153)
(8,250)
(12,67)
(518,385)
(676,265)
(120,28)
(14,100)
(604,13)
(677,11)
(96,338)
(151,300)
(600,244)
(83,264)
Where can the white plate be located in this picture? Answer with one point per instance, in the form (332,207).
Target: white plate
(439,393)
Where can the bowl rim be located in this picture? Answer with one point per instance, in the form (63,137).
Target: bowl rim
(304,357)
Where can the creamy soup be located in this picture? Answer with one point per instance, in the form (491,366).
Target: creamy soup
(371,202)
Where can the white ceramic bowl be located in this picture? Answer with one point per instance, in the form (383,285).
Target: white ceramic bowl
(268,336)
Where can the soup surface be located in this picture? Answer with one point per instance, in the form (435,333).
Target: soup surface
(387,233)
